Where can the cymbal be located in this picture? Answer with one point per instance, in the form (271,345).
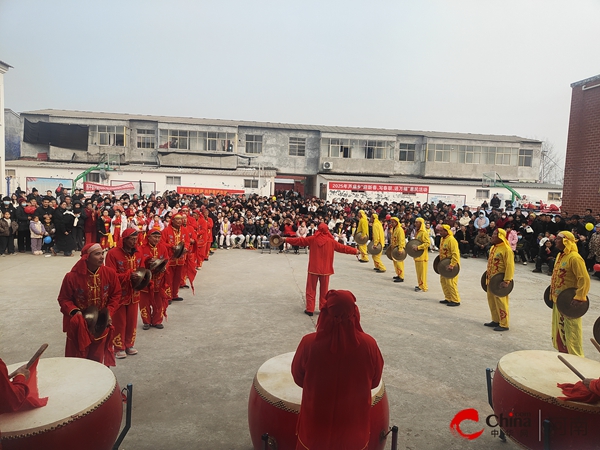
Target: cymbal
(443,268)
(156,265)
(144,277)
(436,263)
(360,238)
(484,281)
(398,254)
(374,249)
(563,303)
(101,324)
(410,251)
(90,314)
(597,329)
(275,241)
(547,300)
(178,250)
(494,285)
(388,252)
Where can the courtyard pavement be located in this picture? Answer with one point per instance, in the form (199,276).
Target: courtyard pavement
(192,379)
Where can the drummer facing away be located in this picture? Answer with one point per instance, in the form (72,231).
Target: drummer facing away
(569,272)
(336,367)
(501,260)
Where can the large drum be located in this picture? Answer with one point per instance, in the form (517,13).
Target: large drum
(524,394)
(274,406)
(84,409)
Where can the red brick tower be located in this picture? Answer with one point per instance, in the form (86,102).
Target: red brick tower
(581,188)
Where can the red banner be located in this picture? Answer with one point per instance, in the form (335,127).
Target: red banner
(91,187)
(208,191)
(399,188)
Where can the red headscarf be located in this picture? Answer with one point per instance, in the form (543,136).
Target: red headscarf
(80,266)
(322,234)
(339,321)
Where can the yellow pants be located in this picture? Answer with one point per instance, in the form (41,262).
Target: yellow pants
(399,268)
(450,289)
(364,256)
(568,331)
(499,309)
(378,264)
(421,268)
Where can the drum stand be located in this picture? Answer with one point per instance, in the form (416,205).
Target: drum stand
(269,444)
(488,378)
(125,429)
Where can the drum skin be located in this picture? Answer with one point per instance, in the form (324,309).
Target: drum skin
(96,428)
(518,407)
(269,414)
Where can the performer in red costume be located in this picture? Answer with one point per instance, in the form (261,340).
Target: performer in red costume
(320,263)
(209,232)
(106,240)
(171,236)
(336,367)
(89,283)
(200,238)
(125,260)
(20,393)
(90,224)
(188,227)
(154,297)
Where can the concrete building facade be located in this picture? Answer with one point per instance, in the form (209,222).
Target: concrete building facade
(298,156)
(582,163)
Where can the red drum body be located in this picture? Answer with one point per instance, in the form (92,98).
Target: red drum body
(524,394)
(274,406)
(84,409)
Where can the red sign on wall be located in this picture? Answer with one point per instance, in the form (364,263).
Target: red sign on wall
(208,191)
(399,188)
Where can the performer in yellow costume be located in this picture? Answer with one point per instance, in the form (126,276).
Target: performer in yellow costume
(421,261)
(378,239)
(501,260)
(449,249)
(363,227)
(569,272)
(398,240)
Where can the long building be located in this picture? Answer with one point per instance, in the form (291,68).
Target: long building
(159,153)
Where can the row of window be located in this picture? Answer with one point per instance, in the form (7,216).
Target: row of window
(484,194)
(333,148)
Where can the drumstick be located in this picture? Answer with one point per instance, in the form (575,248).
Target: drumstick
(573,369)
(595,342)
(33,359)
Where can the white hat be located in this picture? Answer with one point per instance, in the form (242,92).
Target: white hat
(543,241)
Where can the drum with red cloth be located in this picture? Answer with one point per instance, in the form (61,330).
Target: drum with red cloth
(274,406)
(84,409)
(524,395)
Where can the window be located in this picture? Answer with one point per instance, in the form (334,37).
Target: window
(439,152)
(251,184)
(407,152)
(174,181)
(253,143)
(482,194)
(175,139)
(374,149)
(339,148)
(297,146)
(146,138)
(525,158)
(10,172)
(554,196)
(93,177)
(107,135)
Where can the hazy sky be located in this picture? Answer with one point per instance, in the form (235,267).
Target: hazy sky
(473,66)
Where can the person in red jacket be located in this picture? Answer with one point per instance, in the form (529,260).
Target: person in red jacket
(20,393)
(320,263)
(172,235)
(154,298)
(126,259)
(89,283)
(336,367)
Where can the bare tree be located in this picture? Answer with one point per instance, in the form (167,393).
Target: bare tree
(552,165)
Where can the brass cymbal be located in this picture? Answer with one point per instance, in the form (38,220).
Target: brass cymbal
(374,249)
(443,268)
(178,250)
(484,281)
(360,238)
(399,254)
(547,299)
(409,248)
(563,303)
(494,285)
(275,241)
(143,279)
(436,263)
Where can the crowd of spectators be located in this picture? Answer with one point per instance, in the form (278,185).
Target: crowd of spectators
(60,222)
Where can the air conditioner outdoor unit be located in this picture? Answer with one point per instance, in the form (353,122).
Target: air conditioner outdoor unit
(327,165)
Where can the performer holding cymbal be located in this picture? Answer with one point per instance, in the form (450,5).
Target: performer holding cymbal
(363,228)
(421,261)
(501,260)
(399,241)
(449,250)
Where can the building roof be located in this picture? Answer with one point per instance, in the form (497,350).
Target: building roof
(587,80)
(75,167)
(284,126)
(4,67)
(435,181)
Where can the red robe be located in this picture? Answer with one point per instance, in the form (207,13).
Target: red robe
(154,299)
(80,289)
(20,394)
(201,241)
(176,268)
(104,229)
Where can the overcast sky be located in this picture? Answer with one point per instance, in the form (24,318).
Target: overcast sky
(471,66)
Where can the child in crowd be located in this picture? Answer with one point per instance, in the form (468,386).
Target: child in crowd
(36,229)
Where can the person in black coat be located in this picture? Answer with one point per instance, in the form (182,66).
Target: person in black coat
(64,222)
(23,233)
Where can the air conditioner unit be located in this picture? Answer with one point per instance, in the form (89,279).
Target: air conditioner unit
(327,165)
